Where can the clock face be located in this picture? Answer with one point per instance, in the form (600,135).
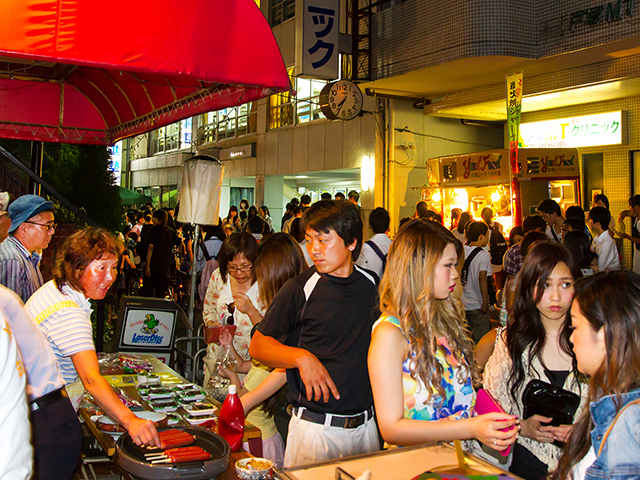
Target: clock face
(341,100)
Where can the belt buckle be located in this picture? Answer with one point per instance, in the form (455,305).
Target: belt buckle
(351,422)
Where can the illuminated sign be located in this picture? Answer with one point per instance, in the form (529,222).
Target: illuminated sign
(116,161)
(548,162)
(587,131)
(478,167)
(241,151)
(149,328)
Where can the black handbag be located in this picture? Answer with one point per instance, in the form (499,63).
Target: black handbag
(542,398)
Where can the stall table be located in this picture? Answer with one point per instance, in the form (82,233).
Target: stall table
(252,434)
(394,464)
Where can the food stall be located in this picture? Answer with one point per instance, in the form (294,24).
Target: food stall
(474,181)
(149,388)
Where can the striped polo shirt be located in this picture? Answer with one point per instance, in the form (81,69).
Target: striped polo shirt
(19,270)
(65,319)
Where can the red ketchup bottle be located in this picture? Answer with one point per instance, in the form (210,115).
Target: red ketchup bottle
(231,420)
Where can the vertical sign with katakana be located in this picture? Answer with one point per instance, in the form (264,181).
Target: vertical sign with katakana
(514,107)
(318,55)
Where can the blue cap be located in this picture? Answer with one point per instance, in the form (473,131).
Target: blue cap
(25,207)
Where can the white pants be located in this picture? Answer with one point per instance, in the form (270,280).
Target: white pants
(309,442)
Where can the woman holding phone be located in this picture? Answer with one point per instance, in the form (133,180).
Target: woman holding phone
(535,346)
(420,362)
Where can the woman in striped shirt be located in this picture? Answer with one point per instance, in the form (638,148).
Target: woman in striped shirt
(85,270)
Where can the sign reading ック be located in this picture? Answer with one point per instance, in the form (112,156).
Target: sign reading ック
(317,36)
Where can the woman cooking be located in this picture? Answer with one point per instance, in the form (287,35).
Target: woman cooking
(84,271)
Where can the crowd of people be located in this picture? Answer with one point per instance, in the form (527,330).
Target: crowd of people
(348,341)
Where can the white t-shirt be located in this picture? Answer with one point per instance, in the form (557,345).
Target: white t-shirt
(579,470)
(605,247)
(472,295)
(40,364)
(305,252)
(15,431)
(550,233)
(369,259)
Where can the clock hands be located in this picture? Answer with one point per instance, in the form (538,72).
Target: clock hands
(341,104)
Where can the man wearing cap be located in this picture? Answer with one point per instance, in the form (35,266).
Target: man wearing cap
(32,225)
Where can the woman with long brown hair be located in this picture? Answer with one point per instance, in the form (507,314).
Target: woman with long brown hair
(535,346)
(420,358)
(605,318)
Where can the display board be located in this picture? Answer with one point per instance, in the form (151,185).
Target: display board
(147,325)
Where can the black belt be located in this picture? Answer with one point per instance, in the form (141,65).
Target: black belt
(341,421)
(45,400)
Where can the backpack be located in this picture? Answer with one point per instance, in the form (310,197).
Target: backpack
(210,266)
(378,252)
(497,246)
(464,274)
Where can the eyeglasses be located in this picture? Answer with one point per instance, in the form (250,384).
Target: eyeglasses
(48,226)
(242,268)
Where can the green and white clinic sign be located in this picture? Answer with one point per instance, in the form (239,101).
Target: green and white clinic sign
(586,131)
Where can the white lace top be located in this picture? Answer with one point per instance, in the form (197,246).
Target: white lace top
(496,380)
(215,311)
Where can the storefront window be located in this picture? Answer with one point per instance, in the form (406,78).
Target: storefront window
(172,137)
(170,196)
(229,123)
(305,104)
(282,10)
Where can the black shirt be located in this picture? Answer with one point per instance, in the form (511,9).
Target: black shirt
(163,239)
(335,325)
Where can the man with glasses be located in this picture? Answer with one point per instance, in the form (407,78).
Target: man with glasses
(32,226)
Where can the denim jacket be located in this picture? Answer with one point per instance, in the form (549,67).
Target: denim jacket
(620,456)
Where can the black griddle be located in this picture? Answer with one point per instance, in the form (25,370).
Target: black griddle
(131,458)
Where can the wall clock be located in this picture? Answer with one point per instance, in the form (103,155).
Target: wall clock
(341,100)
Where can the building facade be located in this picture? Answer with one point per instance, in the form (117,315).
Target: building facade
(433,74)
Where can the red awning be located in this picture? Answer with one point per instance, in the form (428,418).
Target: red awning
(81,71)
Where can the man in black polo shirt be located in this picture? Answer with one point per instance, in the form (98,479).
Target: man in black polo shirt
(319,329)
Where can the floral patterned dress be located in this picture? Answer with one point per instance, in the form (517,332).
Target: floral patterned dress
(460,396)
(215,311)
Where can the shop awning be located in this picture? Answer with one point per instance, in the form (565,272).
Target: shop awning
(131,197)
(80,71)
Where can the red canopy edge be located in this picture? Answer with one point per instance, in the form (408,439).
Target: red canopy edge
(69,75)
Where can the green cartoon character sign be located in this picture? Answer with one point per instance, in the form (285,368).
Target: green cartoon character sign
(150,324)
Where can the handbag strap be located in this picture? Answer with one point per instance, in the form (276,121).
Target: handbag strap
(606,434)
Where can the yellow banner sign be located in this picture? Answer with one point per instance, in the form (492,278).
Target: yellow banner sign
(514,107)
(548,162)
(481,167)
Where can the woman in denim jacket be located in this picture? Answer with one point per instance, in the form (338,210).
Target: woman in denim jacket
(605,317)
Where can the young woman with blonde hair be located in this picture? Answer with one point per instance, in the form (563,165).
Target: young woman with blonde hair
(420,359)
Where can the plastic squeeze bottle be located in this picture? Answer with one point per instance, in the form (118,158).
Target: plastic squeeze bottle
(231,420)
